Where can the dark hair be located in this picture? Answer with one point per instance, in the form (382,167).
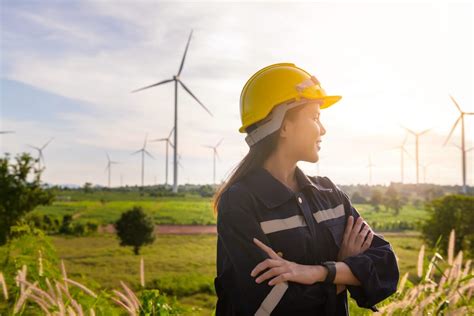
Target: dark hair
(257,155)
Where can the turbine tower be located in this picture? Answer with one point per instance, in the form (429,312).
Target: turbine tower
(214,154)
(143,151)
(370,165)
(417,135)
(463,143)
(403,151)
(168,143)
(40,152)
(176,78)
(109,166)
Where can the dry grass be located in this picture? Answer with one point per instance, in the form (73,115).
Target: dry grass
(450,294)
(58,300)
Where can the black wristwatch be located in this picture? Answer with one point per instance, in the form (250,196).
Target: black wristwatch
(331,266)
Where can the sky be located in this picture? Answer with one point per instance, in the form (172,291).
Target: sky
(68,69)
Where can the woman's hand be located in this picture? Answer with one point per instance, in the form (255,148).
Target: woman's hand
(353,241)
(282,270)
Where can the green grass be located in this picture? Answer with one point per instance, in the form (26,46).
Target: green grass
(181,265)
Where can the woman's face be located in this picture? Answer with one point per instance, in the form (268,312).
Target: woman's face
(302,132)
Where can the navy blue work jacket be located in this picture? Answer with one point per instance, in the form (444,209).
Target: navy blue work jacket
(305,227)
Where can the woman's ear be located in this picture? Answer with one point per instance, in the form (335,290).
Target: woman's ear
(285,128)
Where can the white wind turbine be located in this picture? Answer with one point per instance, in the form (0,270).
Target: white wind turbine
(176,78)
(40,152)
(403,151)
(417,135)
(168,143)
(214,155)
(463,143)
(370,165)
(143,151)
(109,166)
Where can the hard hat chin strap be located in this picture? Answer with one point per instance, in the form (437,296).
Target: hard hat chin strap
(272,122)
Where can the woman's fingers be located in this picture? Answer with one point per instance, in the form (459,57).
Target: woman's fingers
(267,249)
(281,278)
(267,263)
(347,231)
(368,241)
(356,229)
(270,273)
(361,236)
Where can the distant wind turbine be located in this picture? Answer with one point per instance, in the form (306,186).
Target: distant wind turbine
(214,155)
(402,157)
(176,78)
(417,135)
(109,166)
(370,165)
(40,152)
(143,151)
(168,143)
(425,167)
(463,143)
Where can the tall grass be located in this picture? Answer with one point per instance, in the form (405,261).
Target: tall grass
(445,287)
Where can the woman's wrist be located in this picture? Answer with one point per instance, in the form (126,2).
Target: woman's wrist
(320,273)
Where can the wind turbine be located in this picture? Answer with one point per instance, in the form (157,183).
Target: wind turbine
(168,142)
(425,167)
(109,166)
(417,135)
(176,78)
(463,143)
(40,152)
(370,165)
(214,154)
(143,151)
(402,157)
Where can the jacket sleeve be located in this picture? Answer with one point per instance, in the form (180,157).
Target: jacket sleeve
(376,268)
(236,227)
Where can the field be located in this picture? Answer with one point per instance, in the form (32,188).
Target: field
(178,265)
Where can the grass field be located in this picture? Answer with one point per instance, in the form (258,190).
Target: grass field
(187,273)
(188,210)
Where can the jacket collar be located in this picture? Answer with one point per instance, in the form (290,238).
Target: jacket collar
(271,191)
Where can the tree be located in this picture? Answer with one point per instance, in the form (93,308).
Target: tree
(357,198)
(87,187)
(18,195)
(392,200)
(447,213)
(376,199)
(135,228)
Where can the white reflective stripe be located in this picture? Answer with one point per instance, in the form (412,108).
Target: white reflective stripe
(272,299)
(331,213)
(275,225)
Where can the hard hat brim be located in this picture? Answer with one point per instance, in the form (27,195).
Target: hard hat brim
(327,102)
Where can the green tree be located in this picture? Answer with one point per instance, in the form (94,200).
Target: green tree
(376,199)
(447,213)
(392,200)
(18,194)
(135,228)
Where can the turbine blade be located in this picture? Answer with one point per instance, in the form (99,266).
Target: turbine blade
(468,113)
(149,155)
(405,140)
(7,132)
(108,157)
(452,130)
(49,141)
(470,149)
(217,154)
(185,52)
(136,152)
(153,85)
(171,132)
(189,91)
(424,132)
(207,146)
(455,103)
(219,142)
(144,143)
(158,140)
(409,130)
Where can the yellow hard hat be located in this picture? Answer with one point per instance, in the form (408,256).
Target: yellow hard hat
(277,84)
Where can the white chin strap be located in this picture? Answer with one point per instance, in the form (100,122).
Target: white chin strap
(272,122)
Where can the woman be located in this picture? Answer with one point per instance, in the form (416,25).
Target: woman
(288,243)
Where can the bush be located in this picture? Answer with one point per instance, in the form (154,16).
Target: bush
(447,213)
